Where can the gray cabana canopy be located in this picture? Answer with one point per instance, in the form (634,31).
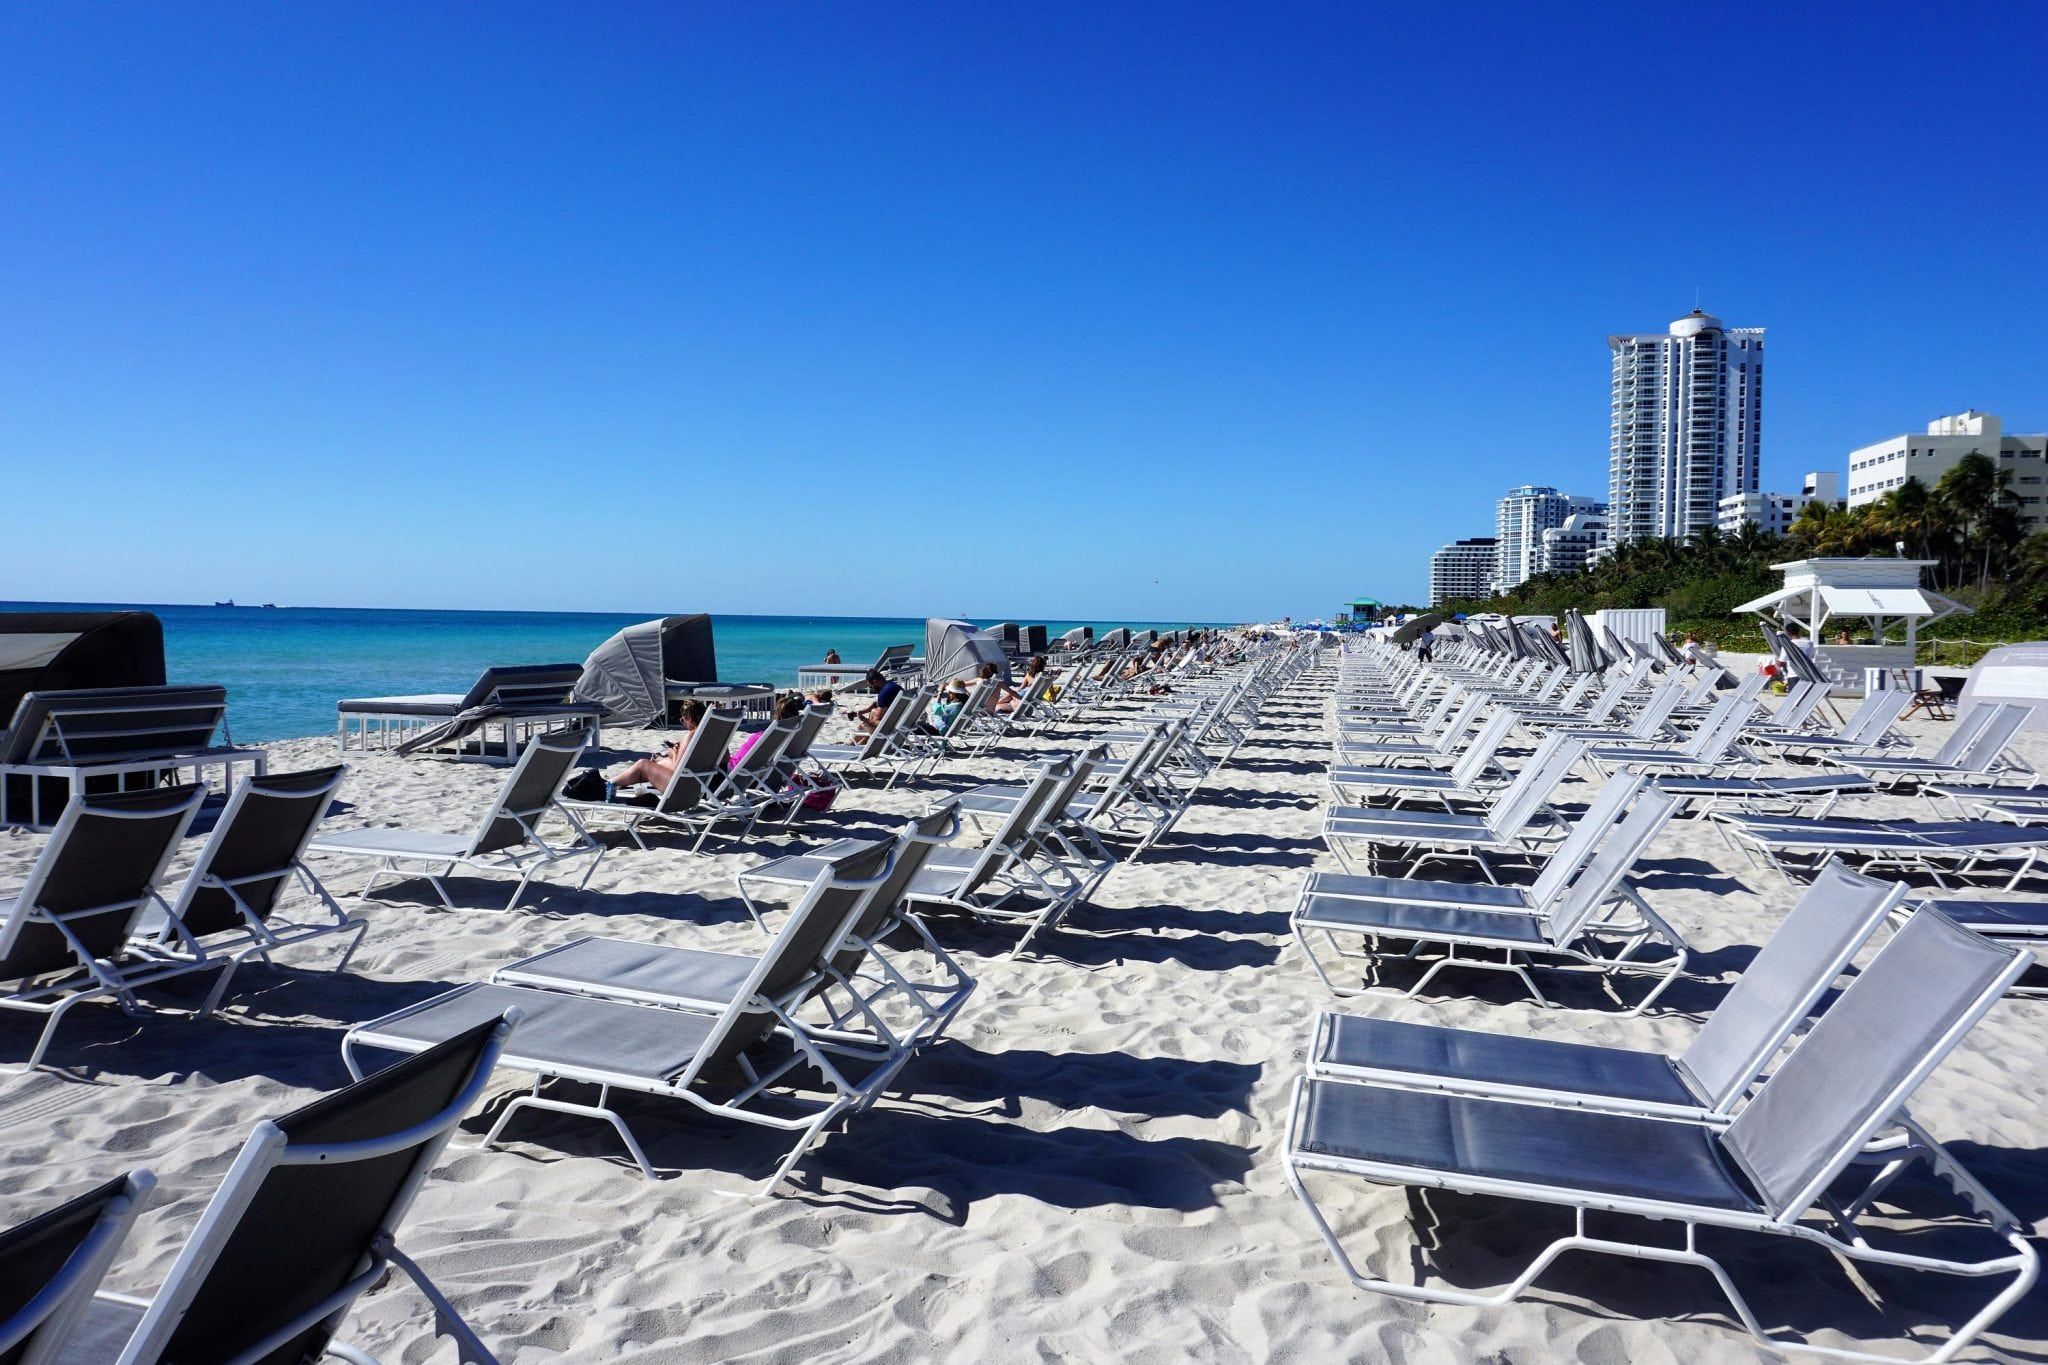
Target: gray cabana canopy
(1120,638)
(2012,673)
(955,649)
(1587,656)
(52,651)
(628,674)
(1078,637)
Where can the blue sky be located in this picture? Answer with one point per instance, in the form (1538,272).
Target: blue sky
(1092,310)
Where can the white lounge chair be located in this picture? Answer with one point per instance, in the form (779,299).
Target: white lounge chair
(507,841)
(1769,1171)
(714,1061)
(1770,999)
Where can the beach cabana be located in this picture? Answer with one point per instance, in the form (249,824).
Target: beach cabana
(955,649)
(2012,673)
(59,651)
(1885,593)
(628,675)
(1080,637)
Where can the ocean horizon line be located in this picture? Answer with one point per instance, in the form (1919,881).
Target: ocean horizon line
(110,605)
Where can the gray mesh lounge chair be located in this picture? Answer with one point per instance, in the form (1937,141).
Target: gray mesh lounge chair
(520,700)
(699,770)
(719,1062)
(1993,800)
(61,743)
(1592,828)
(2021,924)
(1769,1171)
(51,1265)
(858,990)
(1959,848)
(1476,773)
(1011,879)
(1711,747)
(888,744)
(507,840)
(1981,748)
(1868,728)
(305,1221)
(1508,828)
(1571,933)
(1067,832)
(1811,793)
(1436,750)
(1774,994)
(227,910)
(67,935)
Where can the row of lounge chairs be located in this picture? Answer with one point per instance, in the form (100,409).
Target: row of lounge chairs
(1736,1133)
(849,985)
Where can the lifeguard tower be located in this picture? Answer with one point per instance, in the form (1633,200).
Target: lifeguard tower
(1877,595)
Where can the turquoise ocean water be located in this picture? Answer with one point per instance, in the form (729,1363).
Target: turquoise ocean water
(285,667)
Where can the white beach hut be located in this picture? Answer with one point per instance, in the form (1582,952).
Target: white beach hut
(1885,593)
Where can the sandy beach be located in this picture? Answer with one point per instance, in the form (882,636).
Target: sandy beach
(1086,1169)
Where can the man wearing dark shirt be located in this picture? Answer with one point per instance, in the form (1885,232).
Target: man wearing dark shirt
(868,717)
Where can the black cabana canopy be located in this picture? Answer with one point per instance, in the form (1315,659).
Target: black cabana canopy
(49,651)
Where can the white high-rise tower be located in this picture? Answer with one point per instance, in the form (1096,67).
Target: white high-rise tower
(1687,425)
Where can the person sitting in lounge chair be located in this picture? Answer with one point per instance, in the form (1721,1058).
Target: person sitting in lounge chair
(657,769)
(1002,698)
(866,718)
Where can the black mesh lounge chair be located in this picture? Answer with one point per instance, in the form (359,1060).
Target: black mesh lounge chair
(729,1062)
(507,841)
(1772,1170)
(699,771)
(1772,997)
(97,739)
(66,936)
(227,910)
(305,1221)
(51,1265)
(1509,928)
(858,991)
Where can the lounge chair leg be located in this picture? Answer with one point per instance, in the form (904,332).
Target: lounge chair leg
(593,1111)
(35,1058)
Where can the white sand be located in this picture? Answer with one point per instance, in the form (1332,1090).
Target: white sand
(1086,1170)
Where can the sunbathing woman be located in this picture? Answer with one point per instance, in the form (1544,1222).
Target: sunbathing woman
(1002,697)
(657,769)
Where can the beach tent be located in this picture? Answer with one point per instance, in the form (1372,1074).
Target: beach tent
(1144,638)
(1008,633)
(51,651)
(2012,673)
(628,674)
(1078,638)
(1120,638)
(1033,640)
(955,649)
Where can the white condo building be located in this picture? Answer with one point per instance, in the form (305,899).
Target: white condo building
(1686,425)
(1774,513)
(1875,470)
(1520,521)
(1463,569)
(1572,546)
